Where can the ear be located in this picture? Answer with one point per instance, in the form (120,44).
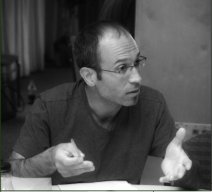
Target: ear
(89,76)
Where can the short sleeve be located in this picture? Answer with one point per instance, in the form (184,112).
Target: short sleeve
(164,132)
(34,135)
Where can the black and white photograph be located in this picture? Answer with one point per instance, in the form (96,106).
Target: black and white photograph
(106,95)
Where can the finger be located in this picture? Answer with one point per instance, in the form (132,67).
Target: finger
(172,177)
(64,154)
(69,173)
(84,170)
(75,147)
(69,161)
(81,154)
(187,163)
(164,179)
(83,165)
(180,135)
(72,150)
(181,172)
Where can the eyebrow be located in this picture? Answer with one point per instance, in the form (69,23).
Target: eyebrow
(122,60)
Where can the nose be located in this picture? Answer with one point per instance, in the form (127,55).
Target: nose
(135,76)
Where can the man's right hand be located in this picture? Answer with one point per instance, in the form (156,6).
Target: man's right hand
(69,162)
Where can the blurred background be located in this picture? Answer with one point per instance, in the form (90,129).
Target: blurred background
(36,54)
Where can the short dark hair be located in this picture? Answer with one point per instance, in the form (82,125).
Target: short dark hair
(87,41)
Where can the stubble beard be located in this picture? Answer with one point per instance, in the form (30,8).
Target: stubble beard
(133,102)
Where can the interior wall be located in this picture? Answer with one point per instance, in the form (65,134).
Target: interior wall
(175,36)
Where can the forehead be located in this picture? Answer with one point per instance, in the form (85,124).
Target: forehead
(113,47)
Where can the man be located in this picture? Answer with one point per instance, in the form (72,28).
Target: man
(114,120)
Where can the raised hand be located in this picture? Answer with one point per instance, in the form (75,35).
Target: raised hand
(176,162)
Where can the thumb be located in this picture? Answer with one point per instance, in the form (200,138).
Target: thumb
(72,150)
(180,135)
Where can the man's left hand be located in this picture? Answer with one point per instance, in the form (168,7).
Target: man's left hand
(176,162)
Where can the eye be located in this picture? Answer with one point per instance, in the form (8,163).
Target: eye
(137,62)
(122,69)
(140,62)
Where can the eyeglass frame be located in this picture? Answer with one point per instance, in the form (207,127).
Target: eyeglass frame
(131,66)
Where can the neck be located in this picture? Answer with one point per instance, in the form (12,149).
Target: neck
(103,110)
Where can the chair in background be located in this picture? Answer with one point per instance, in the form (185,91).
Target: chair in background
(193,129)
(197,144)
(199,133)
(198,149)
(11,100)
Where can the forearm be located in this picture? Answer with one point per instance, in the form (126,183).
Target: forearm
(192,178)
(41,165)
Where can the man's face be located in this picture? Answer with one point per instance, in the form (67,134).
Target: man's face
(114,88)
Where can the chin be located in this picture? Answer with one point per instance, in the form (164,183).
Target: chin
(130,102)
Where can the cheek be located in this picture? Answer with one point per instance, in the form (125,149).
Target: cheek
(111,88)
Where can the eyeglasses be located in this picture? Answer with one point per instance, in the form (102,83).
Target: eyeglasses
(126,69)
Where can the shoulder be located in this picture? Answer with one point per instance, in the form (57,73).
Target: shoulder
(63,92)
(150,94)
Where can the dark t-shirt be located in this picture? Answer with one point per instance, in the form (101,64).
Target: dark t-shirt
(63,113)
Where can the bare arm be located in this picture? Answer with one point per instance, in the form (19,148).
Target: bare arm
(41,165)
(64,158)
